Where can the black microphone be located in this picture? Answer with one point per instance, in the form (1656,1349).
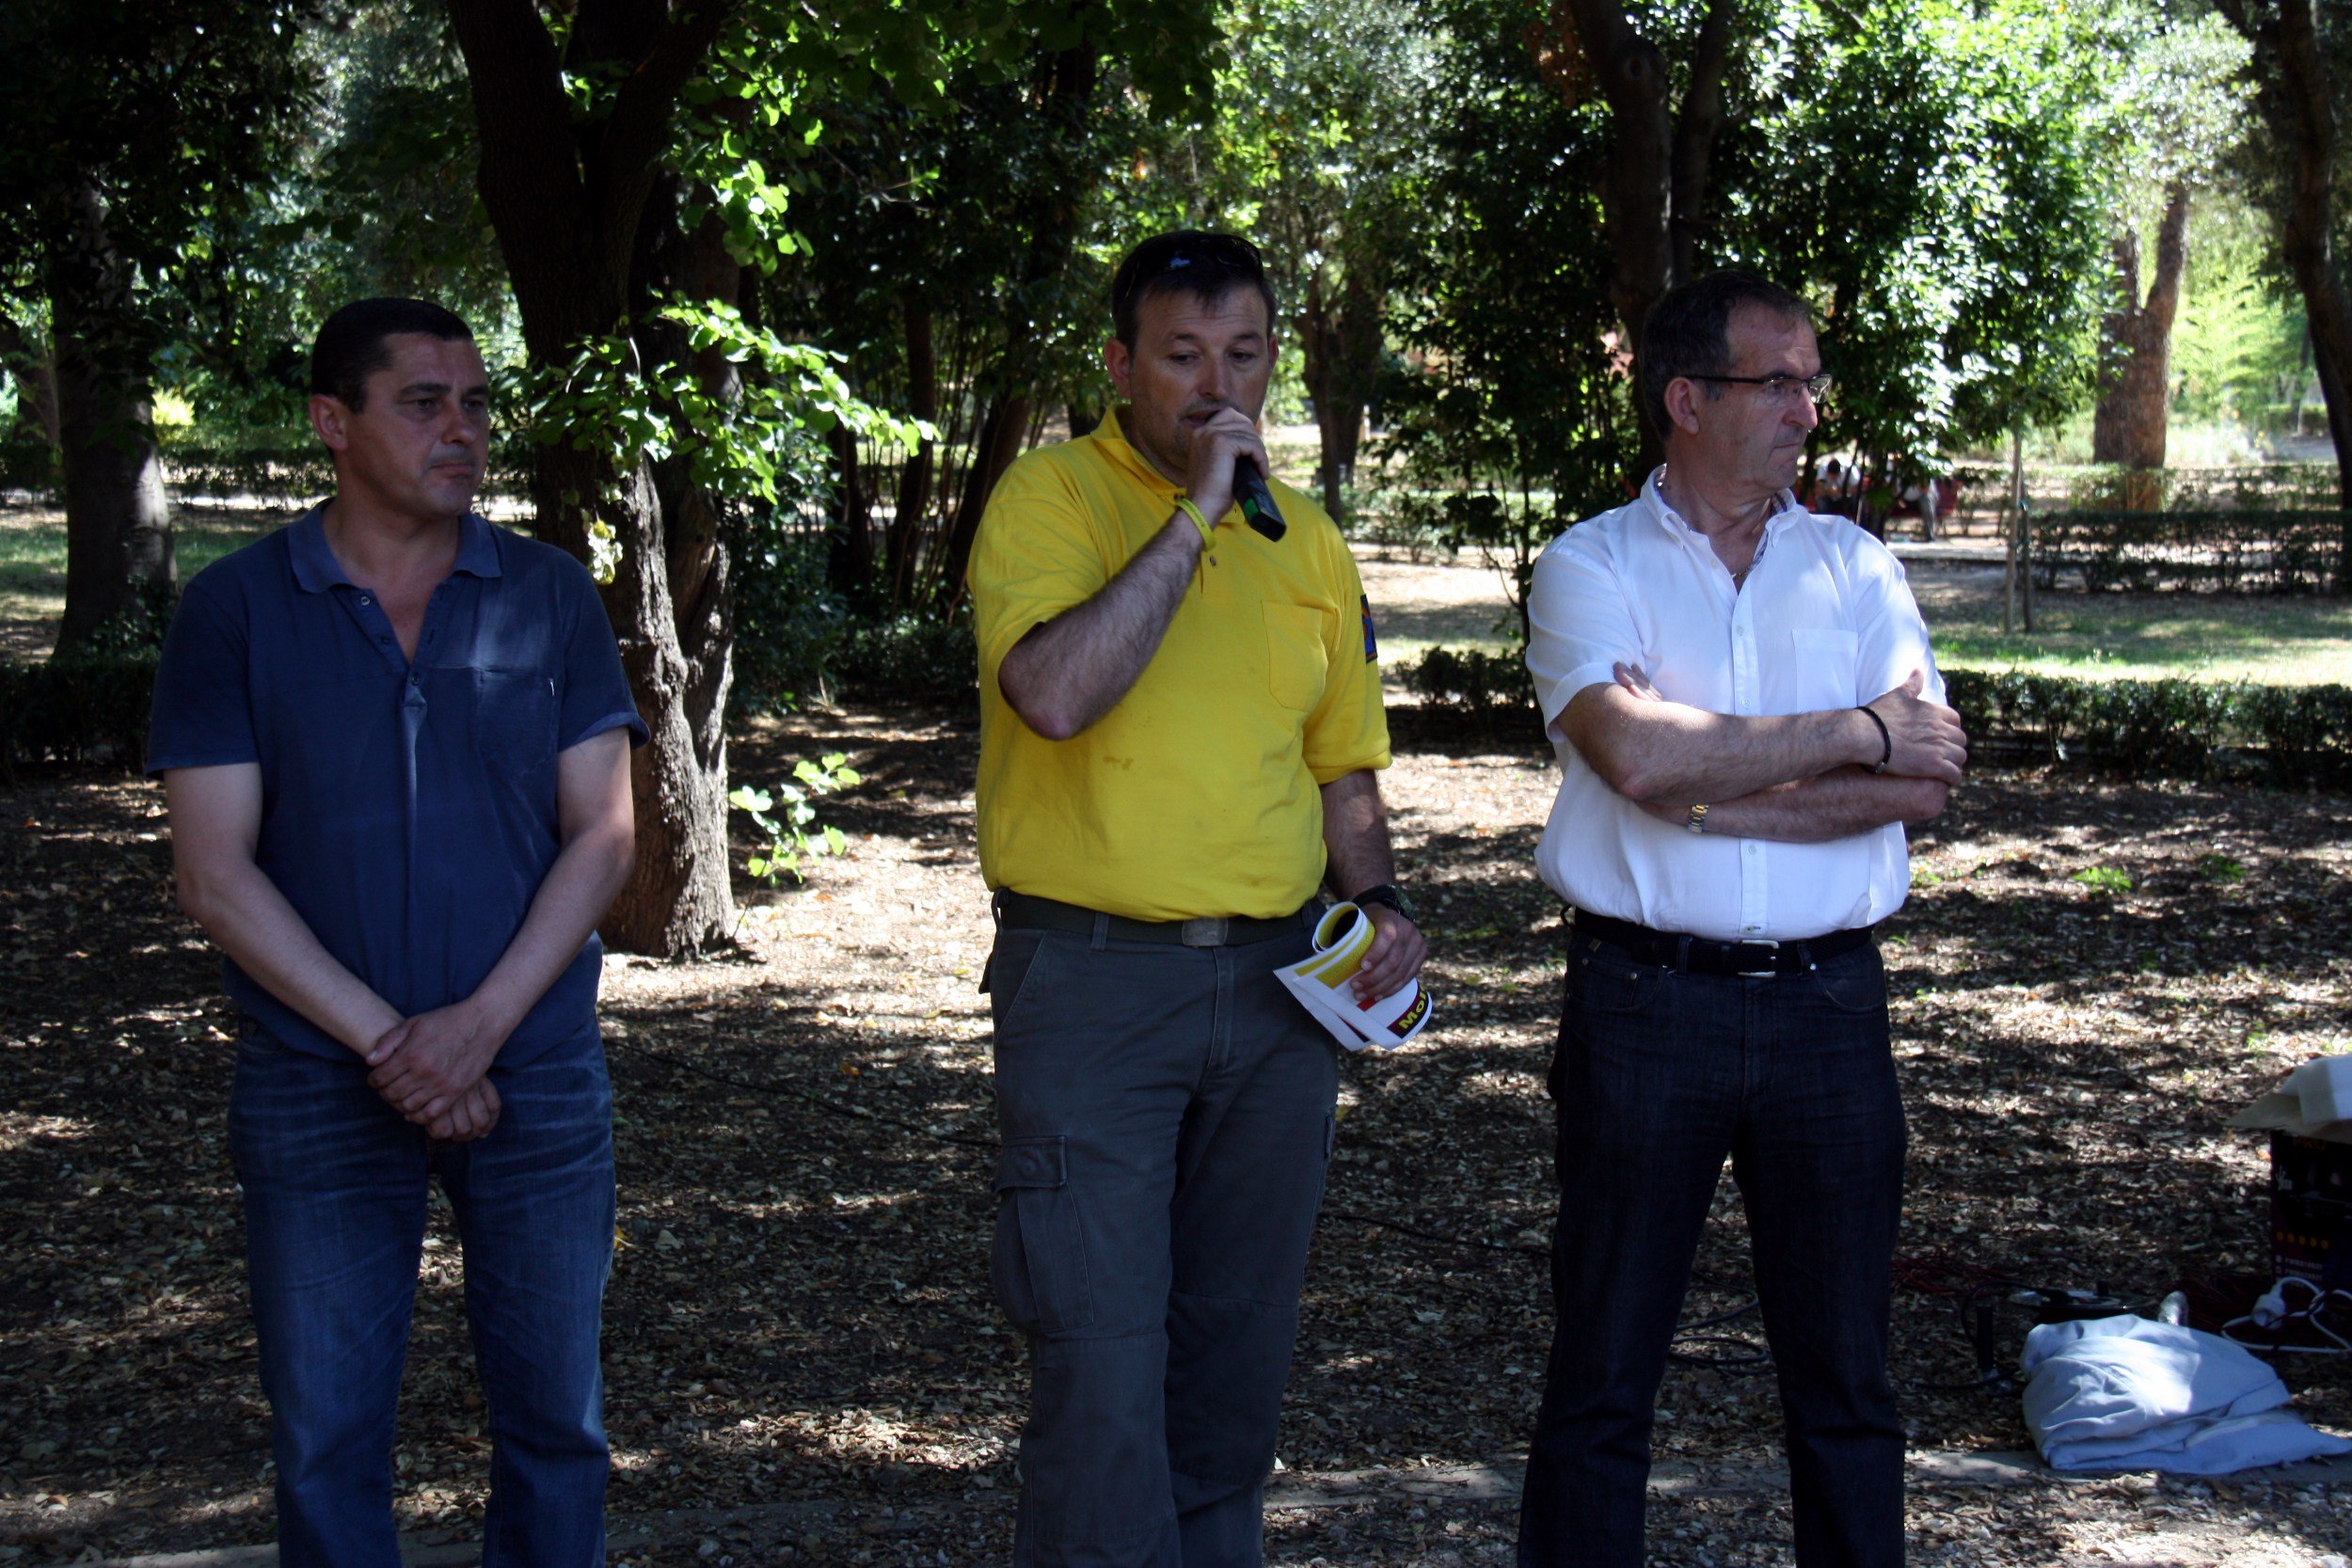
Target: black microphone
(1257,501)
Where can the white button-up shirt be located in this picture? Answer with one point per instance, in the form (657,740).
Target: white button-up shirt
(1824,621)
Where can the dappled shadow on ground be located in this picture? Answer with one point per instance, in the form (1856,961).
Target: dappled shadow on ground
(799,1308)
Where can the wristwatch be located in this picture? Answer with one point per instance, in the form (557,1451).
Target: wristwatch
(1390,894)
(1697,823)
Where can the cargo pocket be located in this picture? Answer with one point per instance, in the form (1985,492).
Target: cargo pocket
(1040,1264)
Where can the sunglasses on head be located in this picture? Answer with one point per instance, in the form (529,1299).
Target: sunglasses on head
(1158,258)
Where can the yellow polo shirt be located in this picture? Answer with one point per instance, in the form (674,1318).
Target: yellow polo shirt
(1197,794)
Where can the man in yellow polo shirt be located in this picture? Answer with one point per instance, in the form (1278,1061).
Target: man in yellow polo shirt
(1180,728)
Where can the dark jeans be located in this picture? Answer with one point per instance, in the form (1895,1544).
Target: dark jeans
(1168,1119)
(1659,1076)
(335,1193)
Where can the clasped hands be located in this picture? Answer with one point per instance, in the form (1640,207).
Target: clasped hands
(431,1070)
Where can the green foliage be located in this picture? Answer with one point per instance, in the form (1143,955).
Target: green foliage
(2296,736)
(2292,736)
(788,817)
(908,656)
(2220,869)
(2109,879)
(1474,683)
(2225,551)
(1519,419)
(142,141)
(80,707)
(2177,103)
(752,441)
(2237,343)
(1935,172)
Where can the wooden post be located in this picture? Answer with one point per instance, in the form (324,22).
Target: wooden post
(2008,532)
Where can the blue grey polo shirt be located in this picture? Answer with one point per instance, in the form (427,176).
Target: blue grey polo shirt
(407,806)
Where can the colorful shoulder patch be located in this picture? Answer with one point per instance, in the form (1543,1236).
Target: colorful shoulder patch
(1372,645)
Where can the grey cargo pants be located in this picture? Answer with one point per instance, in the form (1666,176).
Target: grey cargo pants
(1167,1115)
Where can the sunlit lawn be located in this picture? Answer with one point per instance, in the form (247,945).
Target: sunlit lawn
(32,555)
(2273,641)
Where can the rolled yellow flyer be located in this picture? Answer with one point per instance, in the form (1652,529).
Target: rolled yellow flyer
(1320,981)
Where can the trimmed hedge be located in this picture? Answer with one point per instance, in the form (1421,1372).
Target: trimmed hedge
(2288,736)
(2294,737)
(93,707)
(81,708)
(2207,551)
(1474,683)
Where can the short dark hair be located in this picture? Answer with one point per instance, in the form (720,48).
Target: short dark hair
(1688,332)
(1200,263)
(350,347)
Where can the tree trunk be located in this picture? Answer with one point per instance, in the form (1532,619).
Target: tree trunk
(585,217)
(2129,426)
(1340,340)
(2294,96)
(1067,89)
(992,451)
(1653,188)
(118,521)
(915,479)
(850,542)
(28,363)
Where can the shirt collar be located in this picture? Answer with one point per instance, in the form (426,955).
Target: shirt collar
(1784,507)
(1122,451)
(316,570)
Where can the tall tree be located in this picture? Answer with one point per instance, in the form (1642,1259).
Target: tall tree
(2300,69)
(577,110)
(959,259)
(1322,130)
(1654,185)
(620,167)
(1517,420)
(2176,110)
(1931,172)
(144,127)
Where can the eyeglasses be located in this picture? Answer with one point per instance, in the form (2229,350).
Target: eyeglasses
(1781,387)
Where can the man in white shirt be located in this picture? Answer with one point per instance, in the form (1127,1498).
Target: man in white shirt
(1746,712)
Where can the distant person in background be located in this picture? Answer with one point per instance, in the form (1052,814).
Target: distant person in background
(1746,712)
(394,741)
(1181,734)
(1828,487)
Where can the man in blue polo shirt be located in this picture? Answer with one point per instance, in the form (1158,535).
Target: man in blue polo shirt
(394,741)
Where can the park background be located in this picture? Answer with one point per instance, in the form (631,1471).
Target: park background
(772,295)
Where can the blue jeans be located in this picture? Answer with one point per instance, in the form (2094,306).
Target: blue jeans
(335,1191)
(1168,1121)
(1659,1076)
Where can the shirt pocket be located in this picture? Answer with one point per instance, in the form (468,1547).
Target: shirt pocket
(514,720)
(1827,664)
(1297,660)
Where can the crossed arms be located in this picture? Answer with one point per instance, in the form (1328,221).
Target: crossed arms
(1801,778)
(429,1067)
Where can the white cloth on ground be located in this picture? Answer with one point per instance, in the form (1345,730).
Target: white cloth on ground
(2126,1393)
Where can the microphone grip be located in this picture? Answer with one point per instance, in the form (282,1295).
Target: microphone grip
(1257,501)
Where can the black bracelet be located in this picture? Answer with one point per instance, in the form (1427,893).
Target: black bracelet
(1886,737)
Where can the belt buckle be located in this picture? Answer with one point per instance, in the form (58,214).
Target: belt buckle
(1208,932)
(1757,974)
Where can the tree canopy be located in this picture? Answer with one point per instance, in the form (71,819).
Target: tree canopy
(778,291)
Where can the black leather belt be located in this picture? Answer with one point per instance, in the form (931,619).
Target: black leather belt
(1691,955)
(1027,911)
